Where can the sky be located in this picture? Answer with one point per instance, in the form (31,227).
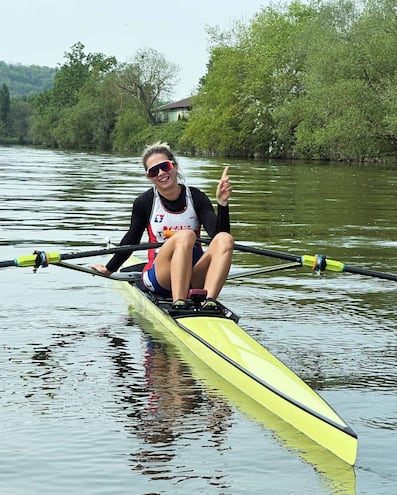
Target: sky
(40,32)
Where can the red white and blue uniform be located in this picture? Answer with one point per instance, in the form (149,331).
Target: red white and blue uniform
(163,223)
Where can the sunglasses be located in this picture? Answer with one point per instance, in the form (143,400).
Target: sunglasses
(164,166)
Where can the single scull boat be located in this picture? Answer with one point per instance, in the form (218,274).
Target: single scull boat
(216,338)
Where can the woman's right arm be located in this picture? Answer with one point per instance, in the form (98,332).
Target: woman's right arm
(139,220)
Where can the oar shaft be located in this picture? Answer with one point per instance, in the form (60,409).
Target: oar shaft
(86,254)
(370,273)
(262,252)
(269,252)
(53,258)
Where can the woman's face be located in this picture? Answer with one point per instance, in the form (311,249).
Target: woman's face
(161,171)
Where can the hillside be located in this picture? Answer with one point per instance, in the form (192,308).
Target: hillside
(25,80)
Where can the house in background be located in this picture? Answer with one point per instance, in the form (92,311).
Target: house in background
(172,112)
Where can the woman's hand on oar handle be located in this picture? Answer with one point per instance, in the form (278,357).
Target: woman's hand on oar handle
(224,189)
(101,269)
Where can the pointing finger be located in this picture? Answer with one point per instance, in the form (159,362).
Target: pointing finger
(225,172)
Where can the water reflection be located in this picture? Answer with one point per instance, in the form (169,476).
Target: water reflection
(160,405)
(41,369)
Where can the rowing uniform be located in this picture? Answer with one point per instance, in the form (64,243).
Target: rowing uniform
(157,215)
(164,223)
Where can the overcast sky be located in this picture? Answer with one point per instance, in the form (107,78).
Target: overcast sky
(39,32)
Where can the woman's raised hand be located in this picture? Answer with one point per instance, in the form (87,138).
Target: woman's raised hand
(224,189)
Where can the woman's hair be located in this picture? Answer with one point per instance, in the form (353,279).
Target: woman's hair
(158,147)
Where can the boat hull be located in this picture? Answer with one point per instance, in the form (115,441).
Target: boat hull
(229,351)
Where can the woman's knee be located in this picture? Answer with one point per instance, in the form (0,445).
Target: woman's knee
(186,237)
(225,240)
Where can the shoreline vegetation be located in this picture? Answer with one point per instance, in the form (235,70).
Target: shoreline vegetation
(308,81)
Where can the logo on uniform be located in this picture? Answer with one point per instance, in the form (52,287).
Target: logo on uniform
(159,218)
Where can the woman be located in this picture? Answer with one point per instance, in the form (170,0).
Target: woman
(173,214)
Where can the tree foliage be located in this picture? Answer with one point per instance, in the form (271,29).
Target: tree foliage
(4,105)
(19,119)
(97,104)
(310,80)
(315,80)
(148,80)
(79,111)
(336,120)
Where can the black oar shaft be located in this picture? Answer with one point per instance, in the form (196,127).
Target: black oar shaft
(262,252)
(117,249)
(370,273)
(268,252)
(5,263)
(30,260)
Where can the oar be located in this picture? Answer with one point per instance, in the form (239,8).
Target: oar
(42,258)
(318,262)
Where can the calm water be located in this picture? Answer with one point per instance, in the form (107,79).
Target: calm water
(94,400)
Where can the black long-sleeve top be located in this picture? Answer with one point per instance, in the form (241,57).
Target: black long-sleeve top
(141,212)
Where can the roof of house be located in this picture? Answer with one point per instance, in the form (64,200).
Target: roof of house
(185,103)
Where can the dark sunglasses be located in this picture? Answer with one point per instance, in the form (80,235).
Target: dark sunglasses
(164,166)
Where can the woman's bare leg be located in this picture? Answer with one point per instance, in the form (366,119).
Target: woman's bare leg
(211,271)
(174,263)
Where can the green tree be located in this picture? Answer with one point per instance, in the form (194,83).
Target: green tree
(67,114)
(25,80)
(95,104)
(341,114)
(76,71)
(90,122)
(376,35)
(252,71)
(306,80)
(131,122)
(148,80)
(216,121)
(20,115)
(276,67)
(5,106)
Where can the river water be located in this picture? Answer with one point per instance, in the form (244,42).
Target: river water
(96,400)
